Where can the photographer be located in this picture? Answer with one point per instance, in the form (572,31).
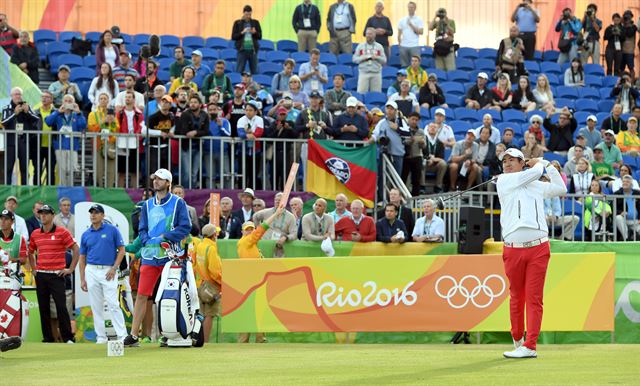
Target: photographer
(569,27)
(443,47)
(624,92)
(414,147)
(629,43)
(527,18)
(17,116)
(614,36)
(392,133)
(281,151)
(590,42)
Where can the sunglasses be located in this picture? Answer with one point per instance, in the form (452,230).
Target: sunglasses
(536,123)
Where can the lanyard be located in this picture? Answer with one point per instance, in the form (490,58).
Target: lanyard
(320,224)
(342,7)
(427,227)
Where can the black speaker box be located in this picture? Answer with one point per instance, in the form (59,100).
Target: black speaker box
(471,233)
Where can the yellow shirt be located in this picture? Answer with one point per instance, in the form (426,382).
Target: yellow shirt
(96,123)
(207,262)
(248,245)
(44,141)
(417,78)
(177,83)
(627,141)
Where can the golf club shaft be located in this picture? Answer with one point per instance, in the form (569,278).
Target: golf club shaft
(468,190)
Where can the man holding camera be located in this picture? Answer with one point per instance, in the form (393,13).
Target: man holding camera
(569,27)
(614,36)
(17,117)
(527,18)
(591,26)
(629,43)
(391,133)
(443,47)
(313,74)
(626,95)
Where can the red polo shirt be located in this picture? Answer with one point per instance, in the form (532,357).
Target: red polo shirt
(51,248)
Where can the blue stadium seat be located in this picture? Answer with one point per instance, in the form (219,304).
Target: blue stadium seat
(169,41)
(497,117)
(42,50)
(328,59)
(164,76)
(216,43)
(588,92)
(389,72)
(66,36)
(345,59)
(351,84)
(563,102)
(605,93)
(269,68)
(605,106)
(536,112)
(487,53)
(458,76)
(188,51)
(79,74)
(395,50)
(609,81)
(386,83)
(551,156)
(631,161)
(589,105)
(467,53)
(550,67)
(553,79)
(452,88)
(593,80)
(485,65)
(263,56)
(549,56)
(126,38)
(450,114)
(581,116)
(324,47)
(235,77)
(44,36)
(209,54)
(300,57)
(89,61)
(140,39)
(93,36)
(512,125)
(266,45)
(165,63)
(278,56)
(426,51)
(70,60)
(166,52)
(287,45)
(228,54)
(426,62)
(602,116)
(532,66)
(193,42)
(512,115)
(347,71)
(566,92)
(357,95)
(393,61)
(57,48)
(375,98)
(454,101)
(442,76)
(459,127)
(425,113)
(593,69)
(264,80)
(465,64)
(465,114)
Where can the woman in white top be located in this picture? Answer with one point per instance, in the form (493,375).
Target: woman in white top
(616,184)
(581,180)
(106,52)
(103,83)
(574,75)
(543,94)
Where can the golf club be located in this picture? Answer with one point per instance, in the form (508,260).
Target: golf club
(440,201)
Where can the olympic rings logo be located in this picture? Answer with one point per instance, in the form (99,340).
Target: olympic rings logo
(481,287)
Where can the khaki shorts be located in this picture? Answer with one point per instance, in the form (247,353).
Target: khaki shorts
(210,309)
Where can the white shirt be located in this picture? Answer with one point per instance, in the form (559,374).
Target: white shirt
(110,56)
(411,97)
(617,185)
(253,124)
(139,100)
(522,200)
(433,228)
(409,37)
(94,92)
(444,133)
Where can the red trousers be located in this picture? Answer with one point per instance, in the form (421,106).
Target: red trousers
(526,269)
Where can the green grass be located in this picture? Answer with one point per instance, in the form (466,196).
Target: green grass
(333,364)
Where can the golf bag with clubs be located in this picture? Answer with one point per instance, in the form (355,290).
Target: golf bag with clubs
(177,300)
(14,307)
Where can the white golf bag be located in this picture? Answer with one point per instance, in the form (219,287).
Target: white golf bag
(14,307)
(177,301)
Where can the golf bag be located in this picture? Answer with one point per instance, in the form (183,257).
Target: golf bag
(14,308)
(177,301)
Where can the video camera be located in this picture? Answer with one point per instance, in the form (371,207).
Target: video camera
(442,13)
(627,16)
(566,14)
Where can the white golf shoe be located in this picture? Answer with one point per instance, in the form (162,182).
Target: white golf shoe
(518,343)
(521,352)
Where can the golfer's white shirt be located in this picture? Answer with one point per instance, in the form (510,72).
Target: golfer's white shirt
(522,197)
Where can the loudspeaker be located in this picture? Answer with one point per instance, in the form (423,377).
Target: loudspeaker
(471,230)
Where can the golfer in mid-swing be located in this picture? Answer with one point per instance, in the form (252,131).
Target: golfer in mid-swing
(526,242)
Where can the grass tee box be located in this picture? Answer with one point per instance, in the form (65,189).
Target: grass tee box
(409,293)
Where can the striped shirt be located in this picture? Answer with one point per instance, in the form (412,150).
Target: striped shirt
(51,247)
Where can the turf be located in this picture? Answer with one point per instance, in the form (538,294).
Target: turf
(332,364)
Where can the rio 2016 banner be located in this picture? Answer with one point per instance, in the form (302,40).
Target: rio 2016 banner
(409,293)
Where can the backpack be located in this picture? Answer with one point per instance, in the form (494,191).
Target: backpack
(442,47)
(80,47)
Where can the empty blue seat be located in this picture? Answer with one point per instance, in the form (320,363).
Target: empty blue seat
(351,84)
(512,115)
(323,47)
(235,77)
(563,102)
(347,71)
(593,69)
(550,67)
(502,126)
(44,36)
(193,42)
(581,116)
(393,61)
(345,59)
(603,115)
(141,39)
(426,51)
(266,45)
(375,98)
(589,105)
(605,93)
(452,88)
(300,57)
(70,60)
(566,92)
(485,65)
(465,114)
(264,80)
(287,45)
(269,68)
(165,63)
(465,64)
(532,66)
(169,41)
(442,76)
(588,92)
(228,54)
(209,54)
(593,80)
(551,156)
(389,72)
(424,113)
(278,56)
(487,53)
(553,79)
(328,59)
(89,61)
(164,76)
(357,95)
(631,161)
(549,56)
(426,62)
(605,106)
(57,48)
(457,76)
(79,74)
(216,43)
(467,53)
(454,101)
(459,127)
(609,81)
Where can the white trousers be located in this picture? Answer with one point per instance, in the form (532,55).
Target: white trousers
(103,291)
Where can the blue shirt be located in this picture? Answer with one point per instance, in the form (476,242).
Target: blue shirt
(346,119)
(66,124)
(313,83)
(631,208)
(100,246)
(215,130)
(526,20)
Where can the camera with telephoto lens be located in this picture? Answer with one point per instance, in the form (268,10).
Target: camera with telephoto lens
(441,13)
(589,12)
(111,111)
(384,145)
(566,15)
(214,116)
(627,16)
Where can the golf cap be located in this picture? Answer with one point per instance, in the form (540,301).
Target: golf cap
(433,76)
(632,118)
(592,118)
(163,174)
(125,53)
(402,72)
(64,67)
(8,214)
(247,225)
(46,209)
(209,230)
(441,112)
(377,111)
(352,101)
(610,132)
(513,152)
(253,104)
(315,94)
(246,73)
(167,98)
(248,191)
(14,198)
(239,85)
(392,104)
(96,208)
(483,75)
(471,131)
(196,53)
(595,149)
(282,110)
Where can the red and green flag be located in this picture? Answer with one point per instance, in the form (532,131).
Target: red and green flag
(333,168)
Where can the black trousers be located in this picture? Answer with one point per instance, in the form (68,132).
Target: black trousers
(529,40)
(613,59)
(412,166)
(48,156)
(51,285)
(18,154)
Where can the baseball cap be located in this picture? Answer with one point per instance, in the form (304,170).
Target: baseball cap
(197,53)
(592,118)
(597,148)
(46,208)
(282,110)
(377,111)
(579,136)
(433,76)
(64,67)
(392,104)
(209,230)
(246,73)
(167,98)
(239,85)
(352,101)
(483,75)
(248,224)
(14,198)
(163,174)
(126,53)
(8,214)
(315,94)
(402,71)
(248,191)
(513,152)
(472,132)
(632,118)
(441,112)
(610,132)
(96,207)
(254,104)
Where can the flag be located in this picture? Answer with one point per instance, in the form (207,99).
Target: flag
(333,168)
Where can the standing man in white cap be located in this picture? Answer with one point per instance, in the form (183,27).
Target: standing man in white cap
(101,252)
(350,125)
(479,96)
(591,133)
(526,242)
(389,133)
(370,57)
(163,218)
(245,213)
